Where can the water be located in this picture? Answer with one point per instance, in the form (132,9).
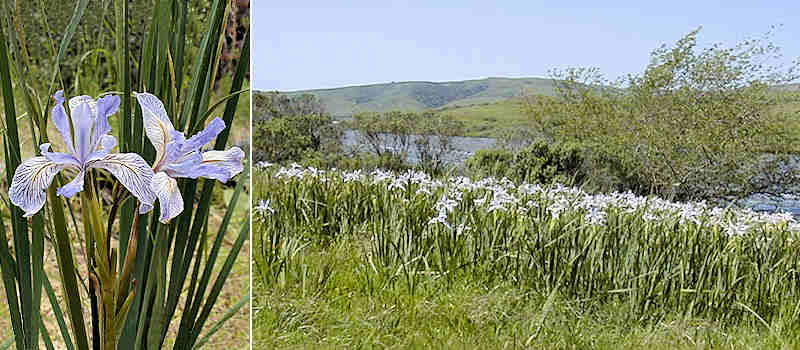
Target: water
(467,146)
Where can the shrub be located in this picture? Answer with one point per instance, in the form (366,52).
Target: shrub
(541,162)
(291,128)
(489,162)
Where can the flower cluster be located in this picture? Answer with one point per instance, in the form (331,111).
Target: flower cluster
(503,195)
(86,134)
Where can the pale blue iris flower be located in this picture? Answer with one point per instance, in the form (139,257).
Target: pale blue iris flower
(89,147)
(177,156)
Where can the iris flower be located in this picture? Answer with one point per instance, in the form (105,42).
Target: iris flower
(177,156)
(89,147)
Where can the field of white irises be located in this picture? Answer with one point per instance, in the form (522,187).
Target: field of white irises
(359,258)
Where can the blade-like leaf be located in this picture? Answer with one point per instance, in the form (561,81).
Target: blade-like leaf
(227,316)
(244,233)
(77,14)
(19,225)
(59,315)
(8,269)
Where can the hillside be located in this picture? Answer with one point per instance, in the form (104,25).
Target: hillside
(417,96)
(490,119)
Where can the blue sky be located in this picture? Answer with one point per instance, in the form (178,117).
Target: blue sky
(314,44)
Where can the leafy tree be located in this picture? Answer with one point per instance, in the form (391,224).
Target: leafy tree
(290,128)
(435,140)
(267,105)
(391,135)
(695,124)
(387,133)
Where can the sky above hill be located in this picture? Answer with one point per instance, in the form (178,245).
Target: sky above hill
(314,44)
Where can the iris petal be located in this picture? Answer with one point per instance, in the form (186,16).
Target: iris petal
(76,101)
(31,178)
(221,165)
(73,187)
(185,166)
(58,157)
(106,106)
(203,137)
(174,149)
(82,120)
(61,120)
(106,144)
(131,171)
(169,196)
(157,125)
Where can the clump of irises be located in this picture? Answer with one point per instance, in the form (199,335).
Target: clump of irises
(89,145)
(503,195)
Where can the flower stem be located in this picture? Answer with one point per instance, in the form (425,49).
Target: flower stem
(130,259)
(104,267)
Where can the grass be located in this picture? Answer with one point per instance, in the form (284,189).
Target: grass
(490,119)
(406,261)
(471,317)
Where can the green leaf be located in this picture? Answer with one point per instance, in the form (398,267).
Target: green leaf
(62,325)
(220,281)
(77,14)
(227,316)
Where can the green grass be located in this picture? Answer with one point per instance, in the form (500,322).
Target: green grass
(357,265)
(490,119)
(467,316)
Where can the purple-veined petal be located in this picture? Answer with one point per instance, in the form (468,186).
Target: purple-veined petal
(144,207)
(173,152)
(131,171)
(221,165)
(31,179)
(72,187)
(61,120)
(205,136)
(107,143)
(169,196)
(82,120)
(58,157)
(106,106)
(157,125)
(174,149)
(185,166)
(104,147)
(76,101)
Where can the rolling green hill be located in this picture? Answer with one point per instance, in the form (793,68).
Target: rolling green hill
(488,107)
(490,119)
(418,96)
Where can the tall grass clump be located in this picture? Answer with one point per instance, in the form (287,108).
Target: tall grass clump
(137,257)
(654,257)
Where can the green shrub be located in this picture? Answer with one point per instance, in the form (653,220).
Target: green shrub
(489,162)
(293,129)
(541,162)
(594,168)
